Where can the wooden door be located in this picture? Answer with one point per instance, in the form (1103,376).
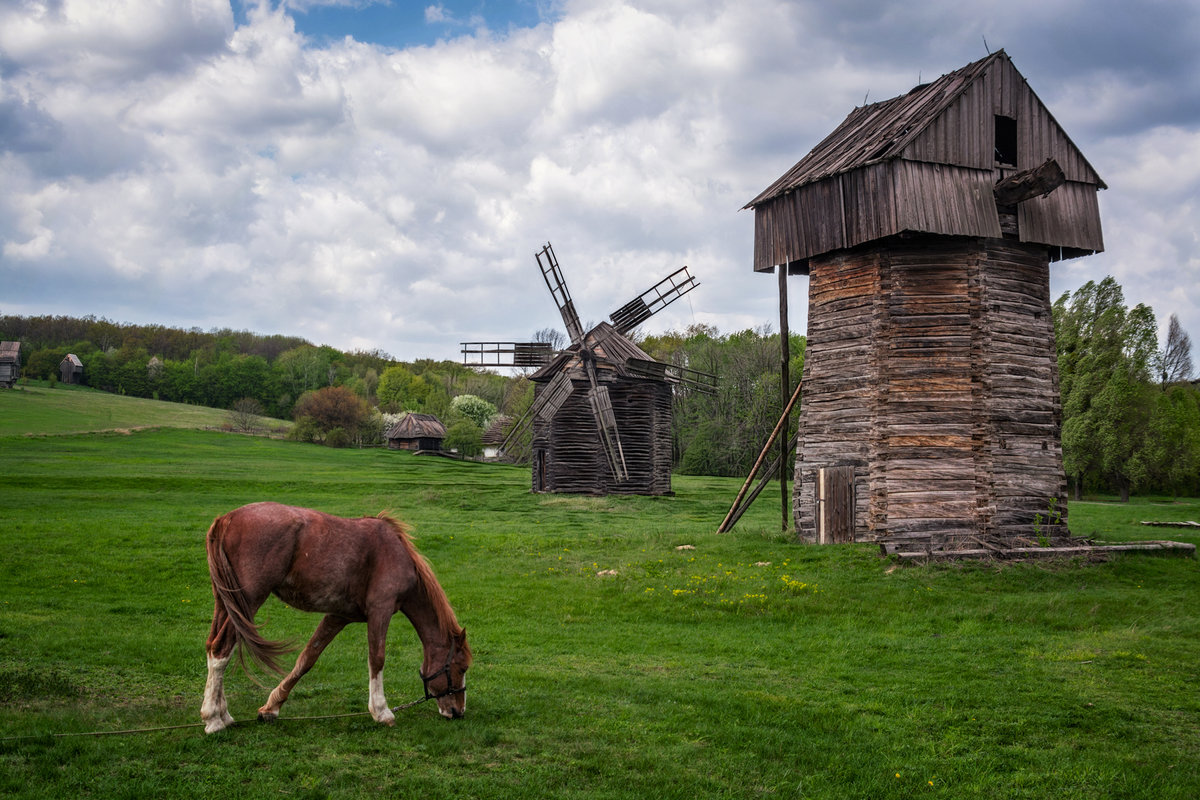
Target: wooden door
(835,505)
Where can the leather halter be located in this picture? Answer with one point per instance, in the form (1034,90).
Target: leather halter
(425,679)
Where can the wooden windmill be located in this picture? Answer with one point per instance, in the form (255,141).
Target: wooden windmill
(601,414)
(927,225)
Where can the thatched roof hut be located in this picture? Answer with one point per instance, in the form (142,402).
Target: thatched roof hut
(416,432)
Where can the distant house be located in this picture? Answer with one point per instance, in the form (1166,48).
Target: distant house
(70,369)
(416,432)
(494,436)
(10,363)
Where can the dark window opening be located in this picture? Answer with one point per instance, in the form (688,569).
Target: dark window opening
(1006,141)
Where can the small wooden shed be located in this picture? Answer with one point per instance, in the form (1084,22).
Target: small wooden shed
(417,432)
(70,369)
(10,363)
(927,225)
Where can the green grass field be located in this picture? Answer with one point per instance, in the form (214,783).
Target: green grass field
(749,666)
(36,409)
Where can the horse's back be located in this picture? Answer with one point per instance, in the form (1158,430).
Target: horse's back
(314,561)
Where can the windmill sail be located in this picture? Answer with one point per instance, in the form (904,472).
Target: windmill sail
(692,378)
(551,399)
(653,300)
(606,423)
(558,290)
(506,354)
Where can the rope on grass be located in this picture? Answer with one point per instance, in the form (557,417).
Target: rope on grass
(236,723)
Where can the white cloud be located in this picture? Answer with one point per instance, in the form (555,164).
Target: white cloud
(162,165)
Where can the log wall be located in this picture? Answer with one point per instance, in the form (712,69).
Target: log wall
(572,459)
(931,370)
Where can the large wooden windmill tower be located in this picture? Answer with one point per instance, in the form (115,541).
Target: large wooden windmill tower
(927,225)
(601,414)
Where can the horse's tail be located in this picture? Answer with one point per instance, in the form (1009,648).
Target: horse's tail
(231,599)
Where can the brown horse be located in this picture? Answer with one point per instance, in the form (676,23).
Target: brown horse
(351,570)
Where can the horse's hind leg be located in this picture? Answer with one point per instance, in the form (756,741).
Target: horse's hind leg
(215,710)
(330,627)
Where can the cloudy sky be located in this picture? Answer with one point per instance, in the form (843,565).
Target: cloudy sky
(373,174)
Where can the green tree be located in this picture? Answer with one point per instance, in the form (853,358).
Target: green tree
(1170,461)
(333,407)
(465,438)
(303,369)
(394,387)
(1105,352)
(474,408)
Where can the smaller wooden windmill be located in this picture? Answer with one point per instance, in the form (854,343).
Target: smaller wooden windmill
(601,413)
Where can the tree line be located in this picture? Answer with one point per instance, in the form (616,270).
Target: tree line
(1131,416)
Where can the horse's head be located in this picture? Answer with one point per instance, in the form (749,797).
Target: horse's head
(448,684)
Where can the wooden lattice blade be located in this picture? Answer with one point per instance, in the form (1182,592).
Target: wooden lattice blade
(506,354)
(558,290)
(653,300)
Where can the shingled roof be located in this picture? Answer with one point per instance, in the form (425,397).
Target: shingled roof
(927,161)
(882,131)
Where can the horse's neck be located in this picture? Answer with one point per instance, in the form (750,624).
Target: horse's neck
(424,619)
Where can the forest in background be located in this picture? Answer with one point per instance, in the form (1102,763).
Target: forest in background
(351,398)
(1131,414)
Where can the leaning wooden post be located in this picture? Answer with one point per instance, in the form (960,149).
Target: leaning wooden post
(754,471)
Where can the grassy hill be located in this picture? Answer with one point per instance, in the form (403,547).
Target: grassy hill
(37,409)
(622,648)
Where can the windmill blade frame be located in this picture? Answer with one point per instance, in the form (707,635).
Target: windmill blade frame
(506,354)
(559,291)
(692,378)
(653,300)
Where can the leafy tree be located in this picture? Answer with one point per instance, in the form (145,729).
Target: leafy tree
(465,438)
(43,363)
(394,387)
(474,408)
(1105,354)
(722,434)
(333,407)
(303,369)
(1170,461)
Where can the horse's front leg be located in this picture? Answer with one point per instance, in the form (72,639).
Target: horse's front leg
(377,628)
(330,627)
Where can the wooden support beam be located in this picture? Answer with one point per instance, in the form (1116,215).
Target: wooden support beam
(728,521)
(1028,184)
(785,499)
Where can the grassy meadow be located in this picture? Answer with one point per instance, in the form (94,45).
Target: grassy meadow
(742,665)
(37,409)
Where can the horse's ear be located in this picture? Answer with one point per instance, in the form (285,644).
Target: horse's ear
(462,635)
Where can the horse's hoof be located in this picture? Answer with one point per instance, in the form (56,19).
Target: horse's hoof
(264,716)
(217,724)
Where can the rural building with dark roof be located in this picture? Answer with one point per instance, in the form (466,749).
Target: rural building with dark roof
(927,225)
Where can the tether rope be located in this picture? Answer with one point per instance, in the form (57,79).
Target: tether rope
(235,724)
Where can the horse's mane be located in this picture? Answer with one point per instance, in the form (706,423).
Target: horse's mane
(447,621)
